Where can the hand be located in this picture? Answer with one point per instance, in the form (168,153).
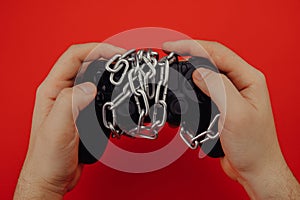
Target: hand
(248,137)
(51,166)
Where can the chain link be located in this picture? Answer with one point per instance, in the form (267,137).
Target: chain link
(193,141)
(141,70)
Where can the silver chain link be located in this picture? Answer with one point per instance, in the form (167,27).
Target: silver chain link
(141,69)
(193,141)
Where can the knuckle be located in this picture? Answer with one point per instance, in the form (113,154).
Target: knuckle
(73,47)
(260,77)
(40,91)
(217,44)
(44,89)
(216,48)
(71,51)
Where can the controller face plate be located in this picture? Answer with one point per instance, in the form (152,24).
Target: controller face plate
(185,102)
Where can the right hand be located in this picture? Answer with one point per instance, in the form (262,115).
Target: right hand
(248,138)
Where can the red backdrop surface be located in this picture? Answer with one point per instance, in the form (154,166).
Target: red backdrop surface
(34,34)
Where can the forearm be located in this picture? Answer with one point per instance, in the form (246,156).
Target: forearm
(275,182)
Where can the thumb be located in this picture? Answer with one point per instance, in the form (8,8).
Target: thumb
(83,94)
(67,106)
(218,87)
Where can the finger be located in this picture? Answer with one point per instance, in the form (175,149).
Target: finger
(220,89)
(237,70)
(68,64)
(185,48)
(61,119)
(63,73)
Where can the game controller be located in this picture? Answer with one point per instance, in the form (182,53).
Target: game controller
(184,102)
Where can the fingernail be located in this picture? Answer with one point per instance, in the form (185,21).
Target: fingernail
(88,88)
(201,74)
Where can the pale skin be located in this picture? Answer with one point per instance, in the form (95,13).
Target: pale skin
(252,152)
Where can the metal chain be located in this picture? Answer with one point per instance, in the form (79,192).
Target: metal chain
(141,69)
(193,141)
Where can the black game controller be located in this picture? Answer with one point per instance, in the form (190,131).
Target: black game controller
(184,100)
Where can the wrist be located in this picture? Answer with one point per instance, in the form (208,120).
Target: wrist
(31,187)
(271,181)
(26,190)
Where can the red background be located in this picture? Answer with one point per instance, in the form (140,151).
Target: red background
(35,33)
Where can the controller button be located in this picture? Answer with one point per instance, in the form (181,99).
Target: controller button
(103,88)
(178,107)
(100,96)
(184,69)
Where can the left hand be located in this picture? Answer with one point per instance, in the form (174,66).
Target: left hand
(51,166)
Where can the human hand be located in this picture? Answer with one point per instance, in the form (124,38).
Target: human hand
(248,137)
(51,166)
